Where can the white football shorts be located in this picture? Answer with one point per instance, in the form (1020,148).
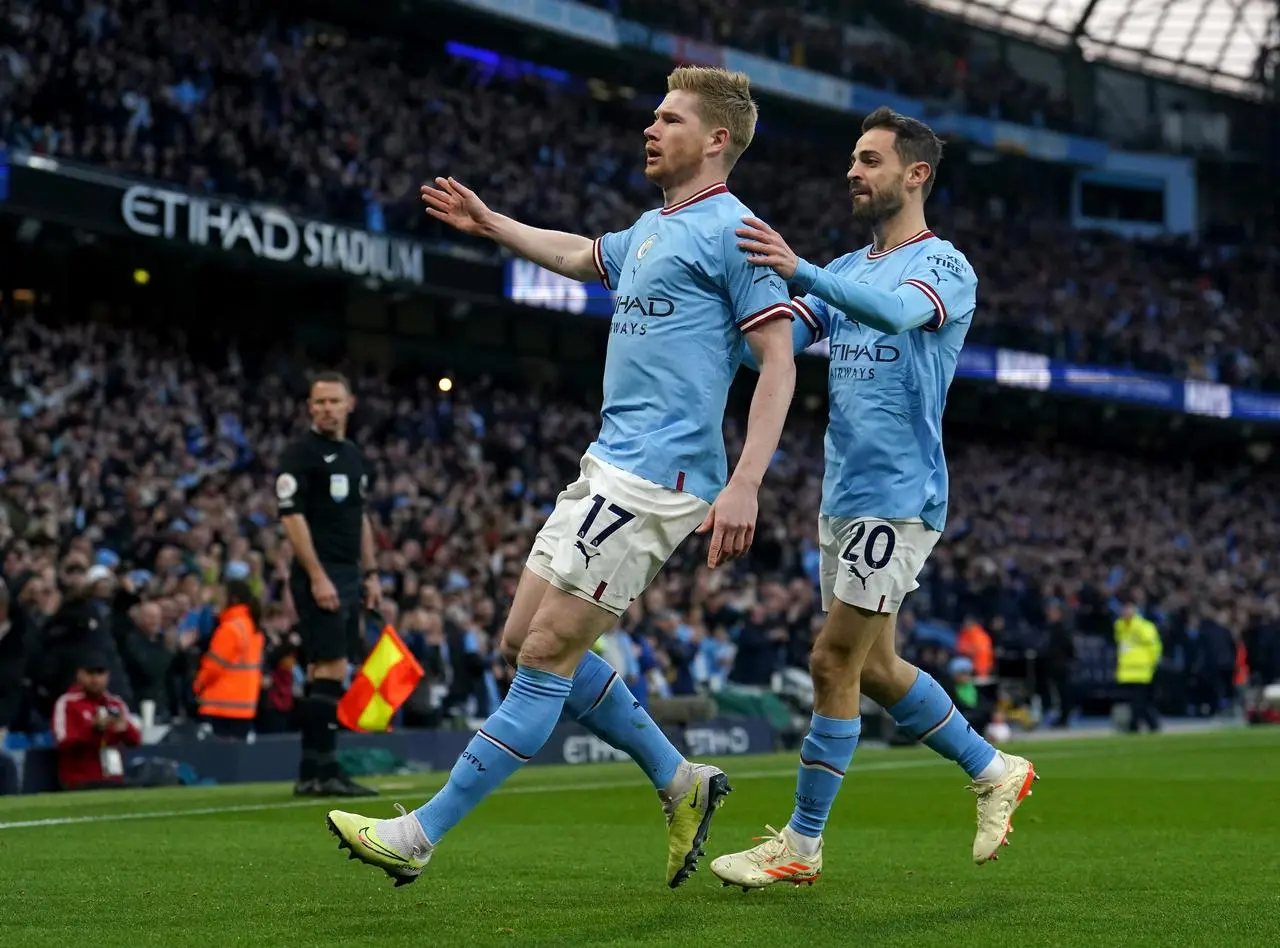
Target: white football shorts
(610,533)
(872,563)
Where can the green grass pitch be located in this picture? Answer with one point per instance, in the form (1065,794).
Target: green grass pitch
(1163,841)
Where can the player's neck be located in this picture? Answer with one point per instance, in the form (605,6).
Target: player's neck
(339,435)
(679,193)
(897,231)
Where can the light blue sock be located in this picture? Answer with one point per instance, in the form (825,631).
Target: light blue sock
(603,703)
(824,757)
(928,715)
(512,735)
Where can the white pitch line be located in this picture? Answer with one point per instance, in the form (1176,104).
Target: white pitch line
(297,804)
(504,791)
(888,765)
(151,814)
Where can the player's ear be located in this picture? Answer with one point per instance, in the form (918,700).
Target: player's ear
(718,142)
(918,174)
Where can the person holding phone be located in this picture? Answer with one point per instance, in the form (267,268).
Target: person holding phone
(91,726)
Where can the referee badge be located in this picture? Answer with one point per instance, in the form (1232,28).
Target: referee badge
(339,487)
(286,487)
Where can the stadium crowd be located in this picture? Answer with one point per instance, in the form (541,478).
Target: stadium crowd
(135,482)
(901,48)
(347,128)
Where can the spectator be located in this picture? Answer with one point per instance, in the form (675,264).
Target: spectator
(1059,657)
(464,480)
(1262,645)
(974,643)
(91,725)
(1220,659)
(676,641)
(83,623)
(228,686)
(149,659)
(278,712)
(760,642)
(1138,650)
(298,122)
(12,664)
(619,649)
(961,685)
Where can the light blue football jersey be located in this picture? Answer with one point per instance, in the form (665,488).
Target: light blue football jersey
(686,296)
(884,455)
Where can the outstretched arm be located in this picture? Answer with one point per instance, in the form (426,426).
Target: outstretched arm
(569,255)
(909,306)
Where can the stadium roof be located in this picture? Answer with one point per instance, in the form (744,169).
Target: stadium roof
(1212,42)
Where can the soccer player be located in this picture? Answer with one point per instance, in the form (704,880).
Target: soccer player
(686,298)
(896,314)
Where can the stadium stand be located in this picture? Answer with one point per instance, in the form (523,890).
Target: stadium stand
(899,48)
(122,452)
(151,457)
(332,125)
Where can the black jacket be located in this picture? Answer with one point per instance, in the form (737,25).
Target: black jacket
(75,629)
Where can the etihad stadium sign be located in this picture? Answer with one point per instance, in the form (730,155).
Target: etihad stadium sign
(269,234)
(100,202)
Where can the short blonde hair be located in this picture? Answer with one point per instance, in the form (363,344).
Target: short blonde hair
(724,101)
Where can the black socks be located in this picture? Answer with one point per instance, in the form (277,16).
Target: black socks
(320,730)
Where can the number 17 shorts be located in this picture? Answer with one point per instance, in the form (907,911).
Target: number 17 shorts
(872,563)
(610,533)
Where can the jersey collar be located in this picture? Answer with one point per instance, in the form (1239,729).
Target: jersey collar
(718,188)
(877,254)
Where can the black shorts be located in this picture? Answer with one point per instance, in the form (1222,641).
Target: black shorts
(328,636)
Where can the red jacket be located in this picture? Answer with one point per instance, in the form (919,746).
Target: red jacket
(80,744)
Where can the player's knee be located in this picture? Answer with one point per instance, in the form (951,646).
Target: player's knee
(561,630)
(832,665)
(543,648)
(510,645)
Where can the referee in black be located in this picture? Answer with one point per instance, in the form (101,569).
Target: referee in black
(321,492)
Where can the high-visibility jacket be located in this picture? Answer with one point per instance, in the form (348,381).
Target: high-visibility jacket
(974,643)
(229,682)
(1138,650)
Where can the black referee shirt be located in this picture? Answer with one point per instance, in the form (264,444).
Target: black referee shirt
(327,482)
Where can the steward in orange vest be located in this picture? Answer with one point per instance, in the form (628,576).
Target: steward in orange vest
(229,683)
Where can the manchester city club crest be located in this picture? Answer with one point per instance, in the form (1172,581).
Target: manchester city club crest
(644,247)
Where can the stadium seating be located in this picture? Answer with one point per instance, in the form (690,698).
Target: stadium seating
(154,449)
(347,129)
(113,446)
(897,47)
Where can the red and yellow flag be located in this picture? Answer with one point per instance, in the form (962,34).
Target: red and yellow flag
(383,683)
